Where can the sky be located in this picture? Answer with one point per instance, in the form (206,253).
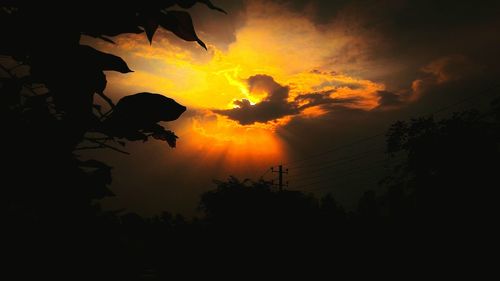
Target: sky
(312,85)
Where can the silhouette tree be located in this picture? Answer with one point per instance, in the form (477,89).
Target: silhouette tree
(48,83)
(450,168)
(49,80)
(246,206)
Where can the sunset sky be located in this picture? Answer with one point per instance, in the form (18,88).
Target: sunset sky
(287,82)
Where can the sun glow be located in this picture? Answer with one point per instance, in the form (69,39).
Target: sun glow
(292,50)
(233,78)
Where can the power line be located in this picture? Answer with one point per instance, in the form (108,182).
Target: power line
(370,181)
(466,99)
(343,160)
(313,176)
(265,173)
(368,138)
(369,167)
(342,176)
(337,148)
(330,166)
(337,161)
(365,139)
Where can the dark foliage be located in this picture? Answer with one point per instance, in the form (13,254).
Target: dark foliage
(449,162)
(48,88)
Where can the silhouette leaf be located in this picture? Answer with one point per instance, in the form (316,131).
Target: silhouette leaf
(131,134)
(150,27)
(136,114)
(186,4)
(103,61)
(165,135)
(148,108)
(100,82)
(212,6)
(181,24)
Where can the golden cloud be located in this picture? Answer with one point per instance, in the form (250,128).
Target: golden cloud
(274,42)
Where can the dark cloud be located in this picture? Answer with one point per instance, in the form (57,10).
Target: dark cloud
(218,28)
(398,37)
(276,104)
(335,82)
(317,71)
(340,84)
(451,68)
(389,99)
(322,99)
(273,107)
(321,11)
(266,83)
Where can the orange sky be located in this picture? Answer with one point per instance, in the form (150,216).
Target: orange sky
(285,46)
(382,62)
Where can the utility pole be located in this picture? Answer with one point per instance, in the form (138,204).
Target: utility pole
(280,176)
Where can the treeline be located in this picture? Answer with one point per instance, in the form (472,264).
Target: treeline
(443,190)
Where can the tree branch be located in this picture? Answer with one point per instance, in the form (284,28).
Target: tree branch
(107,99)
(108,146)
